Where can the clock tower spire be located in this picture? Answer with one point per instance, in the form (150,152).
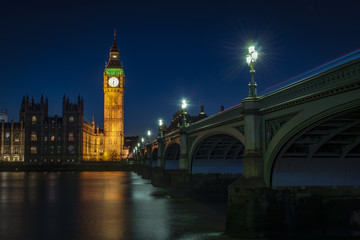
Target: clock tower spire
(114,83)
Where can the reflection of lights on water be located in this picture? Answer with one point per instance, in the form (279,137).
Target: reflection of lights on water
(112,190)
(107,204)
(52,183)
(151,214)
(118,212)
(4,179)
(11,187)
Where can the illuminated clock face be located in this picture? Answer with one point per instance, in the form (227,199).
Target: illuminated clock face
(113,82)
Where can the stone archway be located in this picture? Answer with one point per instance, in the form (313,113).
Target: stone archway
(219,153)
(154,157)
(327,153)
(172,154)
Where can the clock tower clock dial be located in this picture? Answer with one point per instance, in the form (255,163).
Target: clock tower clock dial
(114,82)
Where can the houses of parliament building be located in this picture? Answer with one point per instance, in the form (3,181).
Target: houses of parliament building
(40,138)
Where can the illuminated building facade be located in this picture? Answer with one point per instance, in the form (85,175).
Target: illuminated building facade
(12,141)
(93,142)
(114,83)
(40,139)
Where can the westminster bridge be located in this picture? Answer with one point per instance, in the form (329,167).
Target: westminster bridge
(291,158)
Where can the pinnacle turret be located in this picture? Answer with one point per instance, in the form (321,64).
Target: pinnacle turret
(114,47)
(114,61)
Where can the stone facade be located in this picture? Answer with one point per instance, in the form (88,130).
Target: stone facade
(4,116)
(52,139)
(114,84)
(12,142)
(93,142)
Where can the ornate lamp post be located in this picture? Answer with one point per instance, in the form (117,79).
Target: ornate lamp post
(183,107)
(251,58)
(149,135)
(160,138)
(183,158)
(160,128)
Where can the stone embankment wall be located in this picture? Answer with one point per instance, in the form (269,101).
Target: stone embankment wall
(181,184)
(255,211)
(83,166)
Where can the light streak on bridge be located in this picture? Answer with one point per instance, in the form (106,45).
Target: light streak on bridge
(314,71)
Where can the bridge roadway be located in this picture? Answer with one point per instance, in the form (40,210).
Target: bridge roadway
(297,150)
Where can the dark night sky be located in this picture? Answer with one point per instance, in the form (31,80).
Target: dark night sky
(169,49)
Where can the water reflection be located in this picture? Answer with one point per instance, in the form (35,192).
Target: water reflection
(103,213)
(99,205)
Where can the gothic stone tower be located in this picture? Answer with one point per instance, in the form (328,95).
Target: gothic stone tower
(114,82)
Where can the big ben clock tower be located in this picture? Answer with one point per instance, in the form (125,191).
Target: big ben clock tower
(114,82)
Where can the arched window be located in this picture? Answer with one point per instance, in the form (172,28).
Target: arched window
(33,136)
(7,136)
(17,137)
(71,119)
(71,149)
(33,150)
(33,119)
(71,136)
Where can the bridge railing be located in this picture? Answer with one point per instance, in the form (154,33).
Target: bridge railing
(314,71)
(344,74)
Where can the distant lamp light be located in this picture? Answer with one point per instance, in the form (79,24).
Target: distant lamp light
(149,133)
(142,140)
(184,104)
(138,144)
(160,128)
(183,107)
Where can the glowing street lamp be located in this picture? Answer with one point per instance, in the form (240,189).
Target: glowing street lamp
(160,128)
(149,135)
(141,143)
(251,58)
(183,107)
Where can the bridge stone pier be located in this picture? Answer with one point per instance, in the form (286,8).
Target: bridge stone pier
(289,160)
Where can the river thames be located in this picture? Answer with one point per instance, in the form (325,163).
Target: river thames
(100,205)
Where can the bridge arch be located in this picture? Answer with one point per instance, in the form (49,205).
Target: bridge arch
(172,155)
(154,156)
(217,152)
(322,150)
